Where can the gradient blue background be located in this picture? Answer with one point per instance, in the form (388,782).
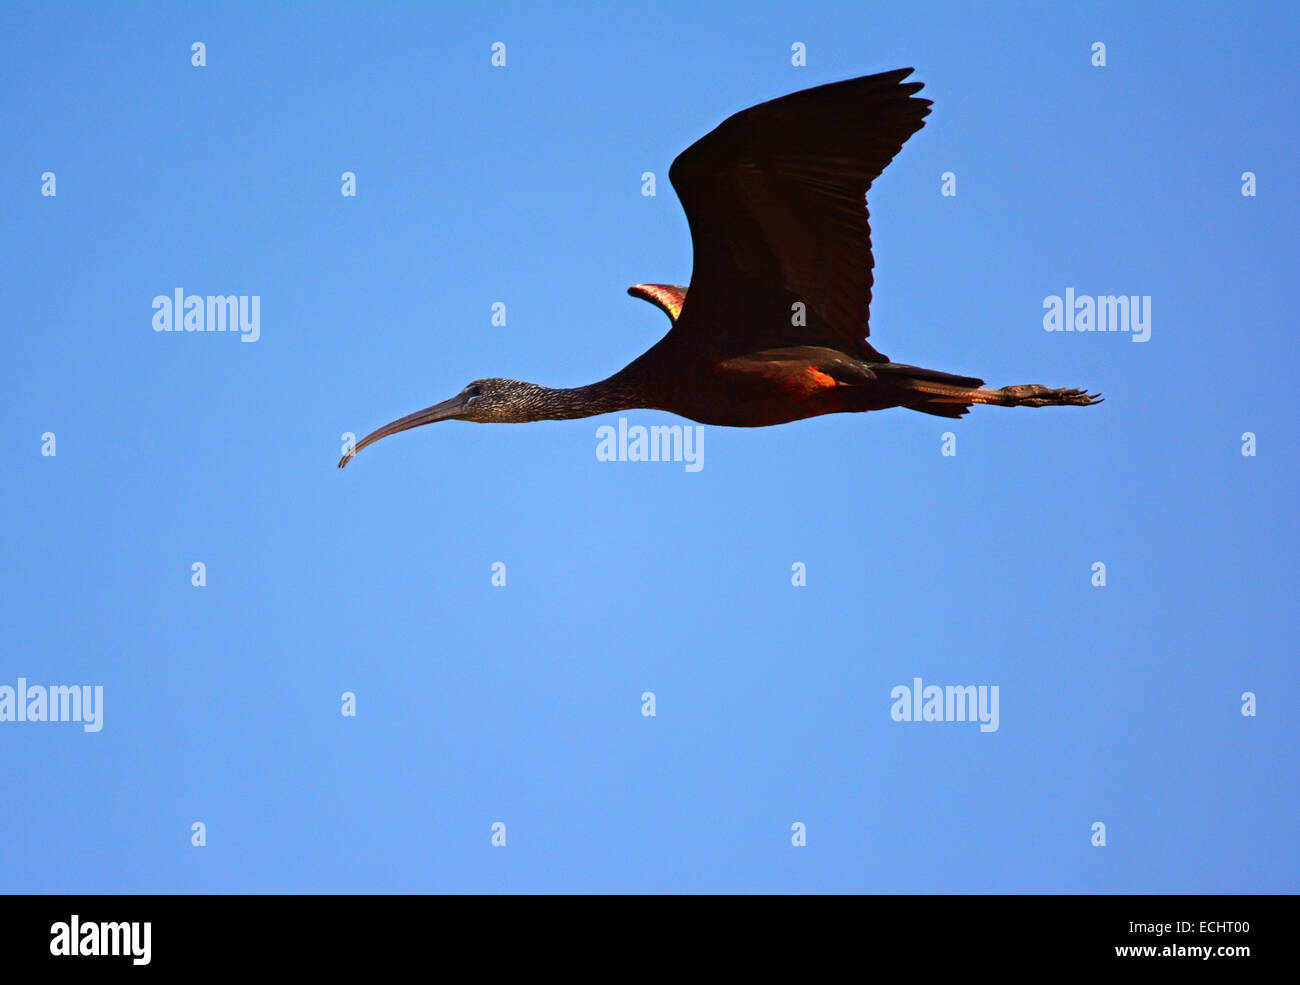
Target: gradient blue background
(479,704)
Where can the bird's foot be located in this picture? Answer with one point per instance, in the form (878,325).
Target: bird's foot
(1036,395)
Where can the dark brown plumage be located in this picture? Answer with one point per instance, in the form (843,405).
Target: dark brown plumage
(774,326)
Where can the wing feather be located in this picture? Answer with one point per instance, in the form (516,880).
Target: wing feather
(776,201)
(668,298)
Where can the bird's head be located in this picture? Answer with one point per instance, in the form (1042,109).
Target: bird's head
(490,401)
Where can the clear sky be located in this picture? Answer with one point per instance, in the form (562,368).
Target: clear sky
(522,704)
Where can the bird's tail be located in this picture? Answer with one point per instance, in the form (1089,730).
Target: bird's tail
(946,395)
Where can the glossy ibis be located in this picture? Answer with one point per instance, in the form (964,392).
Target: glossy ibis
(774,325)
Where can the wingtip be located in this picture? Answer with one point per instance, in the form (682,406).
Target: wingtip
(895,81)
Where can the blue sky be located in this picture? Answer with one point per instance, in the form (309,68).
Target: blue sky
(522,704)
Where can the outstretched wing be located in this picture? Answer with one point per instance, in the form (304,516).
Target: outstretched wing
(668,298)
(776,200)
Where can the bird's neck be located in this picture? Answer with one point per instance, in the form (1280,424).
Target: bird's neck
(609,395)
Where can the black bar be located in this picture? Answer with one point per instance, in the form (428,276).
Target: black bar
(334,933)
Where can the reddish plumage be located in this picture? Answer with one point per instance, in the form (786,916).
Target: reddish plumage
(774,326)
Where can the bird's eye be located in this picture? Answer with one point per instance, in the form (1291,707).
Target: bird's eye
(474,391)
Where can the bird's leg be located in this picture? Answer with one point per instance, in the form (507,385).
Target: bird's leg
(1035,395)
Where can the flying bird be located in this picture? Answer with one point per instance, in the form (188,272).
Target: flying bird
(774,326)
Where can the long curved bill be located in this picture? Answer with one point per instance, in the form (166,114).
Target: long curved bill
(438,412)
